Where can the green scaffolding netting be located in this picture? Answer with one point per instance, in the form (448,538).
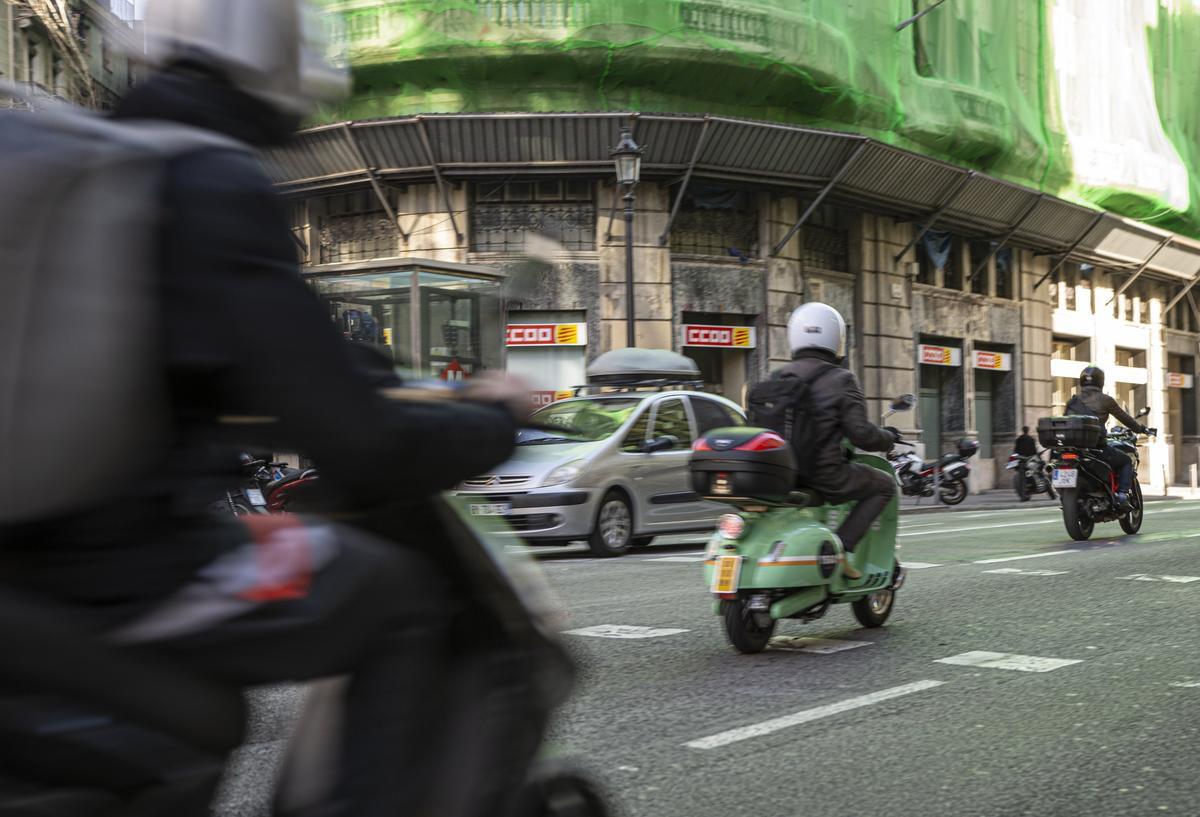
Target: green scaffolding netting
(1094,100)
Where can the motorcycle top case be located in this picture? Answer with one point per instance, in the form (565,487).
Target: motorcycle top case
(1070,432)
(737,462)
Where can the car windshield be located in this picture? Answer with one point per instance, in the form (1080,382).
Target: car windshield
(579,421)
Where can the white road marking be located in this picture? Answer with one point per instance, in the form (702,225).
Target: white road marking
(1186,684)
(978,527)
(1008,660)
(1026,556)
(816,646)
(624,631)
(919,565)
(1016,571)
(757,730)
(680,559)
(1142,577)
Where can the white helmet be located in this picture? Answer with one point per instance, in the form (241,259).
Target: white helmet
(817,326)
(271,49)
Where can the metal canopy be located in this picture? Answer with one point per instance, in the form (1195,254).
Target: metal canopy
(882,178)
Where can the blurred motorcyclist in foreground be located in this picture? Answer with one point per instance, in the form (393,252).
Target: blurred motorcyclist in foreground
(284,600)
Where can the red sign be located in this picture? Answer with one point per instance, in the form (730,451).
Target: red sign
(940,355)
(453,372)
(730,337)
(1000,361)
(546,334)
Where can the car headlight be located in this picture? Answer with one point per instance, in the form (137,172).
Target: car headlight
(564,473)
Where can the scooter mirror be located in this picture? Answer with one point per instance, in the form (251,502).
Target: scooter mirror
(904,402)
(1144,412)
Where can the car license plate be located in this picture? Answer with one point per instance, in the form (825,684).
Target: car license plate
(256,497)
(492,509)
(1064,477)
(725,576)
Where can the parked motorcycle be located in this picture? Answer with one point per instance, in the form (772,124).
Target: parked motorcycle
(1086,484)
(947,477)
(776,555)
(266,487)
(1031,475)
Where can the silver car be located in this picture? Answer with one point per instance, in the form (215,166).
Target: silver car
(611,469)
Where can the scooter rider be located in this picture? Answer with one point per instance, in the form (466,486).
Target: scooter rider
(1026,447)
(285,600)
(817,336)
(1092,401)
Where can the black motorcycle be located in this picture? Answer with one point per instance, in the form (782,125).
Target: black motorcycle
(1031,475)
(1086,483)
(947,477)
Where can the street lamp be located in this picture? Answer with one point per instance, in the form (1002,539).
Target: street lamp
(628,158)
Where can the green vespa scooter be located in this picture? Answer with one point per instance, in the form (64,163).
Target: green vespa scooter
(776,556)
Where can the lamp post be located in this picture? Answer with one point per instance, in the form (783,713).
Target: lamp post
(628,158)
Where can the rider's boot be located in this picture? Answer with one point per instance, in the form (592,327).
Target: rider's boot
(1122,499)
(848,569)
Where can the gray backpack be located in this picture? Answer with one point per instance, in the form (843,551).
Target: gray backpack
(82,400)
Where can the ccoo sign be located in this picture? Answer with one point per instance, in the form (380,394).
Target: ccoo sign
(546,334)
(725,337)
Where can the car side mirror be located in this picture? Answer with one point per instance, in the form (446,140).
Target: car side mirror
(665,443)
(904,402)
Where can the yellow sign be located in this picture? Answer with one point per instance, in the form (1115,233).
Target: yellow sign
(566,334)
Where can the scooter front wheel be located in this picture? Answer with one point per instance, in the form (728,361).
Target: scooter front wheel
(743,628)
(874,610)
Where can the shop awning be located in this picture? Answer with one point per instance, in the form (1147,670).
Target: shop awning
(847,168)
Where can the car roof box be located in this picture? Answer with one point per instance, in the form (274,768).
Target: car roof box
(642,367)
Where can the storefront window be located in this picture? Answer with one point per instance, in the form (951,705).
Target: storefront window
(436,323)
(717,221)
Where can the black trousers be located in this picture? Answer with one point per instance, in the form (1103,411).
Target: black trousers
(1119,461)
(871,490)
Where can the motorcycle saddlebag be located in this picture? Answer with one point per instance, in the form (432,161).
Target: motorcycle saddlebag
(1070,432)
(743,462)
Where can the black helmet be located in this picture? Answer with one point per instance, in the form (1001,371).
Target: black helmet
(1092,376)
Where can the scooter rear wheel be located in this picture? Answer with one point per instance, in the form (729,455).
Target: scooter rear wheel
(953,491)
(742,630)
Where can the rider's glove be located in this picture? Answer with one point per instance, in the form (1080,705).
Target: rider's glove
(895,432)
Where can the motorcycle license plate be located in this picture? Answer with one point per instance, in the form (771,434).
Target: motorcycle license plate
(256,497)
(725,576)
(1064,477)
(492,509)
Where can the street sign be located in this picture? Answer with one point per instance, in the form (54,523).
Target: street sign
(995,361)
(546,334)
(721,337)
(939,355)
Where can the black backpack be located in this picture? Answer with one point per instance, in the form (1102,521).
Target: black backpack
(782,404)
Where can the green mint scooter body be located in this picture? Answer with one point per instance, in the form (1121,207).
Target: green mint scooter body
(777,556)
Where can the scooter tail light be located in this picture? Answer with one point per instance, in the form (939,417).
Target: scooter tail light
(701,445)
(767,441)
(731,526)
(1070,456)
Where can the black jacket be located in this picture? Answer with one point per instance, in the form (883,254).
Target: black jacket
(1026,446)
(241,335)
(841,412)
(1091,401)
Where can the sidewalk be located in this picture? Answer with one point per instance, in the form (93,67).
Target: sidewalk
(1006,499)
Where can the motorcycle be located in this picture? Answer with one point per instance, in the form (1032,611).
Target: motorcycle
(1086,484)
(268,487)
(776,556)
(1031,475)
(947,477)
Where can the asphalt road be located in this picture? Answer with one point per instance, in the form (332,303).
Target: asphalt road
(1072,688)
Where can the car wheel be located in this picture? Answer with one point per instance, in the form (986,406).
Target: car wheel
(613,533)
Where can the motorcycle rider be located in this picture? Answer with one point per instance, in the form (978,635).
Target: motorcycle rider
(1091,401)
(1025,448)
(817,337)
(285,600)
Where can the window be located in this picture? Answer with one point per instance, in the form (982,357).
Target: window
(711,414)
(639,432)
(1065,348)
(1005,270)
(1127,308)
(1069,291)
(1143,307)
(937,260)
(979,250)
(826,242)
(717,221)
(1133,358)
(505,213)
(671,420)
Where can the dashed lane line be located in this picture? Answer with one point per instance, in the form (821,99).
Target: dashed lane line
(757,730)
(1016,571)
(1026,556)
(1008,661)
(920,565)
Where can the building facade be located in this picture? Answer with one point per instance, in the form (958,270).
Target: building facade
(77,50)
(981,257)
